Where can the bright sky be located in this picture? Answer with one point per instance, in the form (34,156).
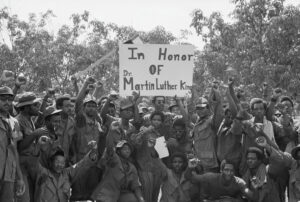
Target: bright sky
(143,15)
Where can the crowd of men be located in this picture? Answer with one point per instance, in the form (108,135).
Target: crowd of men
(85,146)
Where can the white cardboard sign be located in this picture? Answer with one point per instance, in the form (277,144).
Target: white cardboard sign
(155,69)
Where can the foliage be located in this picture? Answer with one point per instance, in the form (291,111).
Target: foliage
(261,44)
(50,59)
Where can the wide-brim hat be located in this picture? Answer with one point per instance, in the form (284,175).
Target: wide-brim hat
(202,102)
(27,98)
(172,104)
(125,103)
(121,143)
(89,100)
(51,111)
(141,109)
(6,91)
(294,151)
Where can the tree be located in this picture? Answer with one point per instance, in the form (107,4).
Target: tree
(262,43)
(50,59)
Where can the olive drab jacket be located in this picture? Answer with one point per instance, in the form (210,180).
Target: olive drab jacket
(9,134)
(57,188)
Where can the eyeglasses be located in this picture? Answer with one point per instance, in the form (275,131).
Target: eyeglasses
(6,98)
(277,115)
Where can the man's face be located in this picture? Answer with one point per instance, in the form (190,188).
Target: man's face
(179,132)
(111,111)
(55,122)
(228,118)
(252,160)
(159,103)
(258,110)
(72,106)
(6,102)
(177,164)
(228,172)
(175,110)
(90,107)
(287,107)
(127,113)
(202,111)
(67,107)
(156,121)
(125,151)
(34,109)
(58,164)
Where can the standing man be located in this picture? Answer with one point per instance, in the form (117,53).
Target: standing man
(87,129)
(28,105)
(10,171)
(205,130)
(66,129)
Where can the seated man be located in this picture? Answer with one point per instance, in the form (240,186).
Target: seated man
(220,186)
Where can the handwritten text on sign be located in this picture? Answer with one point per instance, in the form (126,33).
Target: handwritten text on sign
(156,69)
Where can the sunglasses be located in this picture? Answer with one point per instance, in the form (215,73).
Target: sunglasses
(6,98)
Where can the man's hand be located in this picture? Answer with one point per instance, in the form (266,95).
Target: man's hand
(40,132)
(90,80)
(215,95)
(135,96)
(7,76)
(276,94)
(44,140)
(193,163)
(20,187)
(21,80)
(99,84)
(255,182)
(178,100)
(144,128)
(261,141)
(73,79)
(92,144)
